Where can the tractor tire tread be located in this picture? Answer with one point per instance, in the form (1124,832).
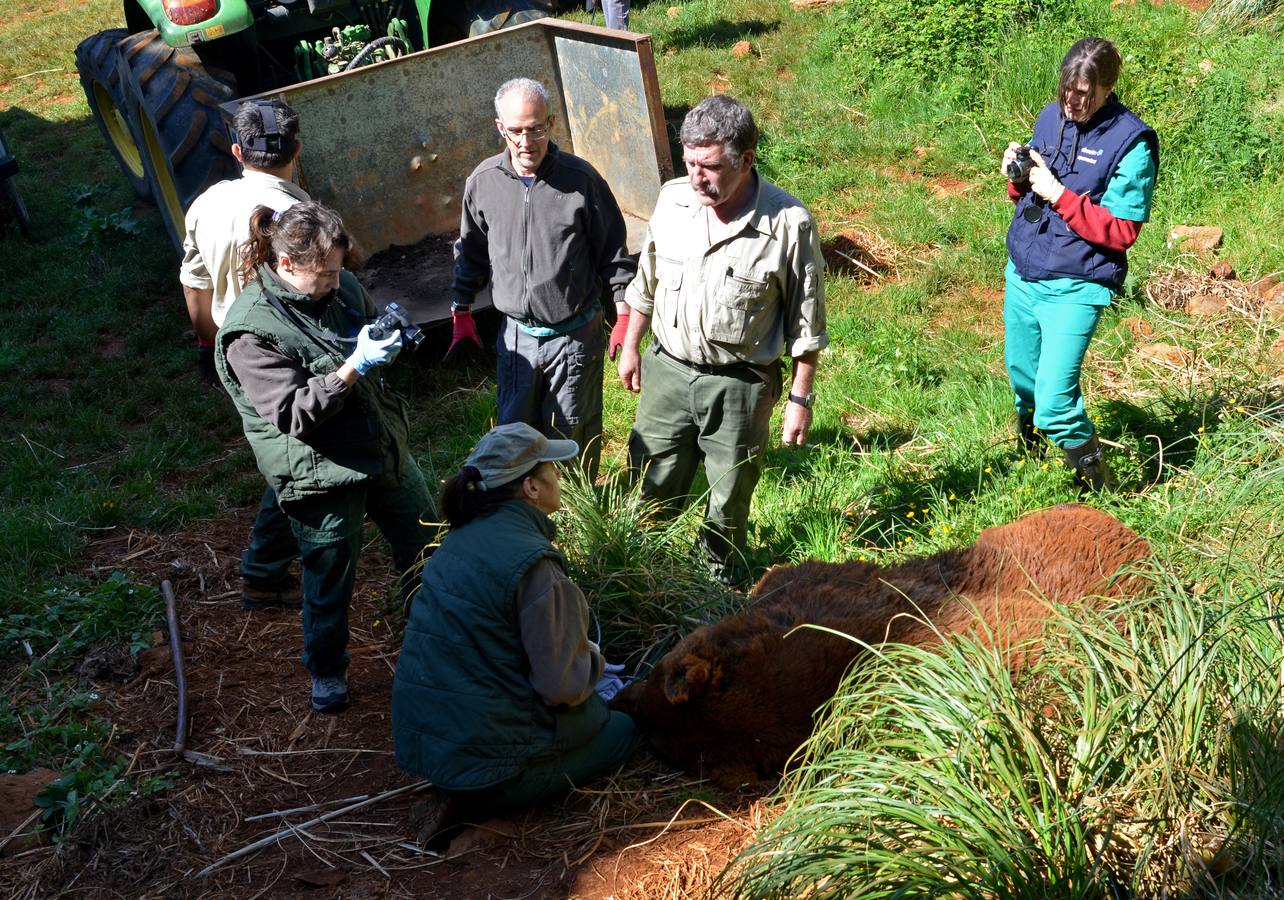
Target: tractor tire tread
(171,92)
(96,63)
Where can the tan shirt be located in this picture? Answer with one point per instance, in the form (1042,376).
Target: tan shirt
(748,291)
(218,223)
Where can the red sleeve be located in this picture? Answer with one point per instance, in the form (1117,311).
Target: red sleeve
(1095,224)
(1016,193)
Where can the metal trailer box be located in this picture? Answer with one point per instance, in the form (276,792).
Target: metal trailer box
(389,146)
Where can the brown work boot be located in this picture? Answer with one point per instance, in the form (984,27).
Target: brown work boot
(283,594)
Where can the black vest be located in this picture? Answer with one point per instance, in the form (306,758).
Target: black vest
(1084,158)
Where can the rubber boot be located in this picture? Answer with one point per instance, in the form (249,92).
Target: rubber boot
(205,368)
(1088,461)
(1030,440)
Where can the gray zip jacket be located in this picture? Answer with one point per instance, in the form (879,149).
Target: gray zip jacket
(548,250)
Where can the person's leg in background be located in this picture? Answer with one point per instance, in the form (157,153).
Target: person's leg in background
(662,445)
(1022,344)
(570,367)
(734,414)
(1060,414)
(266,582)
(328,529)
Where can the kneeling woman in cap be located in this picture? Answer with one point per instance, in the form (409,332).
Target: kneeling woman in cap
(494,697)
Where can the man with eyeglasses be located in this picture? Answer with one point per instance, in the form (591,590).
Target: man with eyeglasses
(730,279)
(542,227)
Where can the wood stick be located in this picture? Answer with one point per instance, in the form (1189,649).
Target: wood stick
(293,830)
(176,656)
(246,751)
(302,809)
(370,859)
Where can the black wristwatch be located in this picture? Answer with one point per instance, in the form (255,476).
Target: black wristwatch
(804,402)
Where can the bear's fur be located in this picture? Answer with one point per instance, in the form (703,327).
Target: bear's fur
(734,699)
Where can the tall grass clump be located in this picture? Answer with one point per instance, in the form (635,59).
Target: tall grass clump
(1243,14)
(1136,754)
(1127,759)
(646,578)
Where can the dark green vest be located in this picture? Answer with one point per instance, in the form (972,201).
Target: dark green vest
(359,442)
(464,714)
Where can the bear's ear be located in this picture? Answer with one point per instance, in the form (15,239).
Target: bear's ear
(695,675)
(689,677)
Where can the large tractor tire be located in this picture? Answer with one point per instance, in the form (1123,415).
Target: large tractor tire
(13,211)
(172,101)
(96,63)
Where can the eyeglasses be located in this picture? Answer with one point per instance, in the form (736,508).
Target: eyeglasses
(538,133)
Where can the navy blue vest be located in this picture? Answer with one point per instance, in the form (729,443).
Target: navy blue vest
(1083,157)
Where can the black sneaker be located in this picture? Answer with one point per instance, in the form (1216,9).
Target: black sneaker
(283,594)
(205,368)
(329,693)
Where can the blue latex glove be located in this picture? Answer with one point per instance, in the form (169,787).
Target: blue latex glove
(372,352)
(612,681)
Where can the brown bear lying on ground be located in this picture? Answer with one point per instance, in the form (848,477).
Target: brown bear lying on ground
(736,698)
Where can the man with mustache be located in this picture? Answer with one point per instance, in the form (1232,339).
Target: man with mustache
(730,279)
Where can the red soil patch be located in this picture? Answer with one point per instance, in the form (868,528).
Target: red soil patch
(261,750)
(859,255)
(944,186)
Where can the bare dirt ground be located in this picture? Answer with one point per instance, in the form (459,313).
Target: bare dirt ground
(417,277)
(258,750)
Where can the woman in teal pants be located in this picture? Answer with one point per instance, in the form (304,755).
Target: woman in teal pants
(1082,190)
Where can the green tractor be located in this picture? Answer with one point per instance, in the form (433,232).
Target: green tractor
(156,86)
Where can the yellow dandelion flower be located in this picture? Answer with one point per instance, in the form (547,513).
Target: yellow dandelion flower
(988,470)
(910,514)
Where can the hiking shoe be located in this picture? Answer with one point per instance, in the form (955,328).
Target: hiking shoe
(329,693)
(435,817)
(283,594)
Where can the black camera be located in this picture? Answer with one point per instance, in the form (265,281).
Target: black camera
(1019,169)
(394,319)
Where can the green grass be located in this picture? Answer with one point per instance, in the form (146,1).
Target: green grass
(104,427)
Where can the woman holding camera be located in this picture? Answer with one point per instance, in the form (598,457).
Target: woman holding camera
(1082,190)
(297,356)
(496,695)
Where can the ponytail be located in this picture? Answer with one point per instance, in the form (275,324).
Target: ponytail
(258,249)
(463,498)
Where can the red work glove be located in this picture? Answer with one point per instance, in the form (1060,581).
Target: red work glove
(618,331)
(465,329)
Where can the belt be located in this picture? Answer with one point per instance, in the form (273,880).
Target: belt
(566,326)
(728,369)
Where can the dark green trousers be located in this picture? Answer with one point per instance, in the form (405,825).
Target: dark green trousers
(721,416)
(328,530)
(549,777)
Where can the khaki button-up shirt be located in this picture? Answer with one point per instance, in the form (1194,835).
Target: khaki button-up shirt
(752,295)
(218,223)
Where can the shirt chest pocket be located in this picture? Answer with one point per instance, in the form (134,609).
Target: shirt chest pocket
(738,308)
(668,288)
